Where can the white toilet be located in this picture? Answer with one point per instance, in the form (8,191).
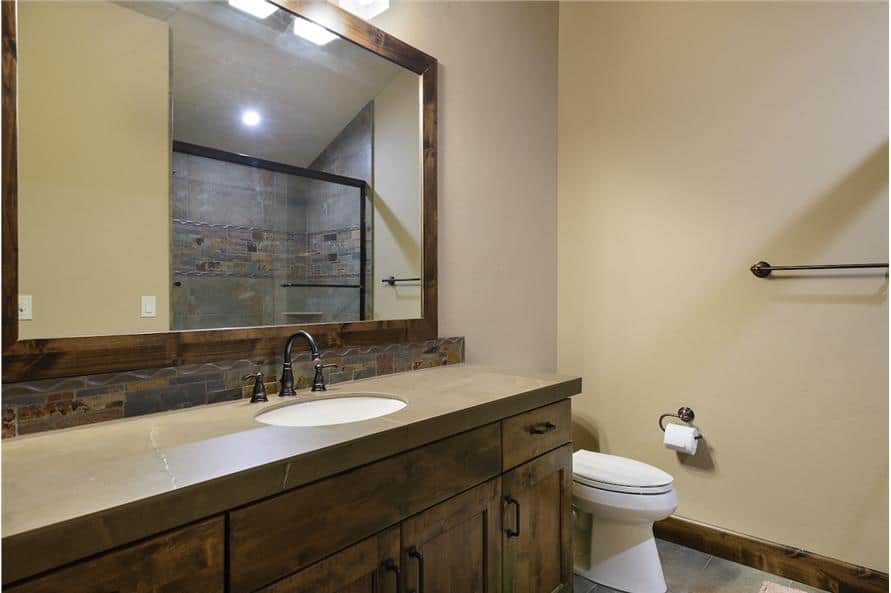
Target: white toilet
(615,502)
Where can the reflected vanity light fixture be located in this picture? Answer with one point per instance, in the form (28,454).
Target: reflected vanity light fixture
(256,8)
(250,118)
(312,32)
(364,9)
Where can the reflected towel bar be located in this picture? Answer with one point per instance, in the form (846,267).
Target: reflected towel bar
(763,269)
(392,280)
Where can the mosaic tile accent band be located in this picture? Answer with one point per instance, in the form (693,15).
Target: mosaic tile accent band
(51,404)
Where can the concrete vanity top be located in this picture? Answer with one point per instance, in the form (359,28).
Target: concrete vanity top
(72,493)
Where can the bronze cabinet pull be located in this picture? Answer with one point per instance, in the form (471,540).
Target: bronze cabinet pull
(413,552)
(391,566)
(542,428)
(510,500)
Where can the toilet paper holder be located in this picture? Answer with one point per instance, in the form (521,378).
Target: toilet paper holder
(684,413)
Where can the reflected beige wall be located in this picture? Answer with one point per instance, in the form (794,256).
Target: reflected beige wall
(694,140)
(497,172)
(397,197)
(93,168)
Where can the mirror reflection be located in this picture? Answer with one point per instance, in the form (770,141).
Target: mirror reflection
(210,165)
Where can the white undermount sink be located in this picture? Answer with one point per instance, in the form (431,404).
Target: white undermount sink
(349,407)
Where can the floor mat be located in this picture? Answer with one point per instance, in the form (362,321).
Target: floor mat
(768,587)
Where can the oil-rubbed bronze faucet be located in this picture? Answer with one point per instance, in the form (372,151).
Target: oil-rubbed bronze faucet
(287,380)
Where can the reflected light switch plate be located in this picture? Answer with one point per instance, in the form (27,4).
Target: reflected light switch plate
(25,307)
(148,307)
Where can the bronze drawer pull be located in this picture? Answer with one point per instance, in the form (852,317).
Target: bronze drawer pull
(542,428)
(510,500)
(391,566)
(413,552)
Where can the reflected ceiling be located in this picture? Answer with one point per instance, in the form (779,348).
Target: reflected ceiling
(226,62)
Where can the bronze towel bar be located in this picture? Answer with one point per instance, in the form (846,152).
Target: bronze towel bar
(763,269)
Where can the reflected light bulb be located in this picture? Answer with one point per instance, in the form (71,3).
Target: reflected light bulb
(256,8)
(250,118)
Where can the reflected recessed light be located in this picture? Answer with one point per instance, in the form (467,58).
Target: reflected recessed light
(258,8)
(365,9)
(250,117)
(313,32)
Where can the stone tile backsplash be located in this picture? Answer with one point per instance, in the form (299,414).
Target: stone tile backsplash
(50,404)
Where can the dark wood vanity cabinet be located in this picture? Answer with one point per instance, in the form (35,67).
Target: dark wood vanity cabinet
(276,537)
(370,566)
(456,545)
(444,518)
(188,559)
(537,540)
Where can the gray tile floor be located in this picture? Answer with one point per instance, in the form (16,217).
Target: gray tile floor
(690,571)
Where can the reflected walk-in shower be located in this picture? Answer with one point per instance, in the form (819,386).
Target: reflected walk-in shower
(256,242)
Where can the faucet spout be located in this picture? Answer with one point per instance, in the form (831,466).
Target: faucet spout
(287,380)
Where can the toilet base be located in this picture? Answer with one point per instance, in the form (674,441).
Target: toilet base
(623,556)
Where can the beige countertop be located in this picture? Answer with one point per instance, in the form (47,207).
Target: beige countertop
(72,493)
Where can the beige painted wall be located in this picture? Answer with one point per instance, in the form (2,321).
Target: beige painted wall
(497,172)
(398,249)
(93,168)
(694,140)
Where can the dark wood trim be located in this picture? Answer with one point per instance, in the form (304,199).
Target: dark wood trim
(785,561)
(429,198)
(61,357)
(360,32)
(10,179)
(252,161)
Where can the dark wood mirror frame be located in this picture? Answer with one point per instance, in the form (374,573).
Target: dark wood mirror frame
(61,357)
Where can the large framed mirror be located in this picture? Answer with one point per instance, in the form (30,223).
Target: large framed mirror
(193,181)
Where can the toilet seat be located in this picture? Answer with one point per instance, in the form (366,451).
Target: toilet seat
(622,489)
(619,474)
(615,503)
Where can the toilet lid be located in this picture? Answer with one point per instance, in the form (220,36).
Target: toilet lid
(621,474)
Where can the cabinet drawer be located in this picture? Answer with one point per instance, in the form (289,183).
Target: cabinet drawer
(188,559)
(281,535)
(535,432)
(371,566)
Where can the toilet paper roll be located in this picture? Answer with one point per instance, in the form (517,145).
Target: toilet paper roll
(681,438)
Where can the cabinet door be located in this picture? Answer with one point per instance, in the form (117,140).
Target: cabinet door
(370,566)
(537,524)
(188,559)
(291,531)
(455,547)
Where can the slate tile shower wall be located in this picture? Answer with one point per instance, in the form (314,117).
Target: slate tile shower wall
(51,404)
(239,234)
(351,154)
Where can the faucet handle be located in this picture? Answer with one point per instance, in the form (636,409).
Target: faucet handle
(318,382)
(259,394)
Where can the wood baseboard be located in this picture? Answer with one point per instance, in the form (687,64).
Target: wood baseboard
(792,563)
